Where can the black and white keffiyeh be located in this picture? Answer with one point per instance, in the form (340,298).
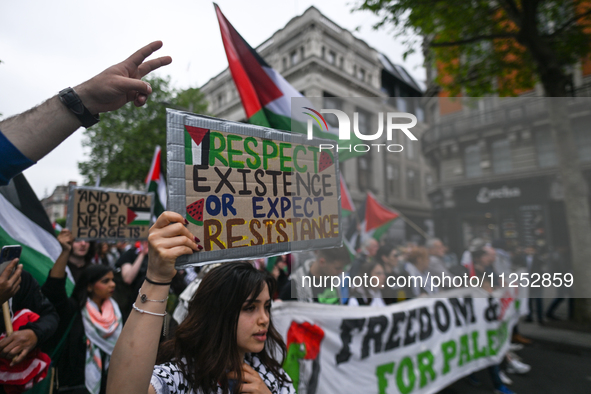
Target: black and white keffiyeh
(168,379)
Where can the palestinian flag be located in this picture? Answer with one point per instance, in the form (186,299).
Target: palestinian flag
(266,95)
(378,218)
(155,183)
(347,206)
(196,146)
(138,216)
(23,221)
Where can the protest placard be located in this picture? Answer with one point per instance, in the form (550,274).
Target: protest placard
(417,346)
(249,191)
(109,215)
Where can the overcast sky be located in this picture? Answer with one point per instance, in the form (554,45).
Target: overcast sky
(47,46)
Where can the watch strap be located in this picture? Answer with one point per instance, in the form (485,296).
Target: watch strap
(73,102)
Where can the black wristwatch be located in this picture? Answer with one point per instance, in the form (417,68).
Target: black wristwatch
(72,101)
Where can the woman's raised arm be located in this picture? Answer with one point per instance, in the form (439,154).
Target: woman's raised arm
(134,355)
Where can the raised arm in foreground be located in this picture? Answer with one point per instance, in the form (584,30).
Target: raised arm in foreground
(133,359)
(38,131)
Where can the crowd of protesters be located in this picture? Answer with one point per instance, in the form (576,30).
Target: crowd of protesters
(83,331)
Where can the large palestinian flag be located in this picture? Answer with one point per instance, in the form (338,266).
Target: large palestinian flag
(266,95)
(23,221)
(155,183)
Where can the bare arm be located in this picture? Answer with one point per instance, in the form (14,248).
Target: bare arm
(65,238)
(134,356)
(130,271)
(38,131)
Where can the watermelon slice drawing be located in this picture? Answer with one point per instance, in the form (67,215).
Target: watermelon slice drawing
(195,212)
(325,161)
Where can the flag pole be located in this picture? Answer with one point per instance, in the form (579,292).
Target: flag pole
(413,225)
(7,322)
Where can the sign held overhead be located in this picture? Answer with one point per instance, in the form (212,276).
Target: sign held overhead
(249,191)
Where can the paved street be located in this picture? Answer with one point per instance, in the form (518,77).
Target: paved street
(556,368)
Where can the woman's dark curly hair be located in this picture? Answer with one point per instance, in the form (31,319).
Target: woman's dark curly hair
(204,345)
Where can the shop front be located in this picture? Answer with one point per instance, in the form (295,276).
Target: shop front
(519,211)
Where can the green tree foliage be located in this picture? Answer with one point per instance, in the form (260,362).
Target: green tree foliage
(122,143)
(489,46)
(502,46)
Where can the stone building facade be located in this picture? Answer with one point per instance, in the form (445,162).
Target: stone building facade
(336,70)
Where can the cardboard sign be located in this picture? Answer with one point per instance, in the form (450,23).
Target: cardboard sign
(250,192)
(109,215)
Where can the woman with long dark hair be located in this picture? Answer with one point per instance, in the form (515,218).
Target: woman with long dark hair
(226,344)
(92,318)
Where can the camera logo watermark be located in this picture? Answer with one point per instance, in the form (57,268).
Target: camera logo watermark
(345,128)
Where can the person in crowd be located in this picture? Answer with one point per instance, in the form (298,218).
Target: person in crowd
(368,294)
(531,261)
(436,253)
(368,251)
(21,291)
(328,262)
(90,318)
(482,261)
(418,267)
(466,261)
(388,256)
(211,351)
(104,255)
(80,257)
(279,271)
(561,263)
(133,265)
(503,261)
(26,138)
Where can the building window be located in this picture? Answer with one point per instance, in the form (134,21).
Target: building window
(472,161)
(331,57)
(412,184)
(393,179)
(428,181)
(420,114)
(361,74)
(302,57)
(363,121)
(583,141)
(411,149)
(545,149)
(285,63)
(401,104)
(220,99)
(501,156)
(341,62)
(332,103)
(294,58)
(364,172)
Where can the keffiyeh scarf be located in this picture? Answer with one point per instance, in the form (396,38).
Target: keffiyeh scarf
(102,329)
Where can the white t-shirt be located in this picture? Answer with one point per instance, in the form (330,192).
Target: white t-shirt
(168,379)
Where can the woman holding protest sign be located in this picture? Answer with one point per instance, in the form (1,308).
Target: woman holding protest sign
(225,344)
(90,323)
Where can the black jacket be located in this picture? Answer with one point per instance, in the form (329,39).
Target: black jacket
(29,296)
(72,360)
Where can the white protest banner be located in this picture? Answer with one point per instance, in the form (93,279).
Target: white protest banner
(416,346)
(250,191)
